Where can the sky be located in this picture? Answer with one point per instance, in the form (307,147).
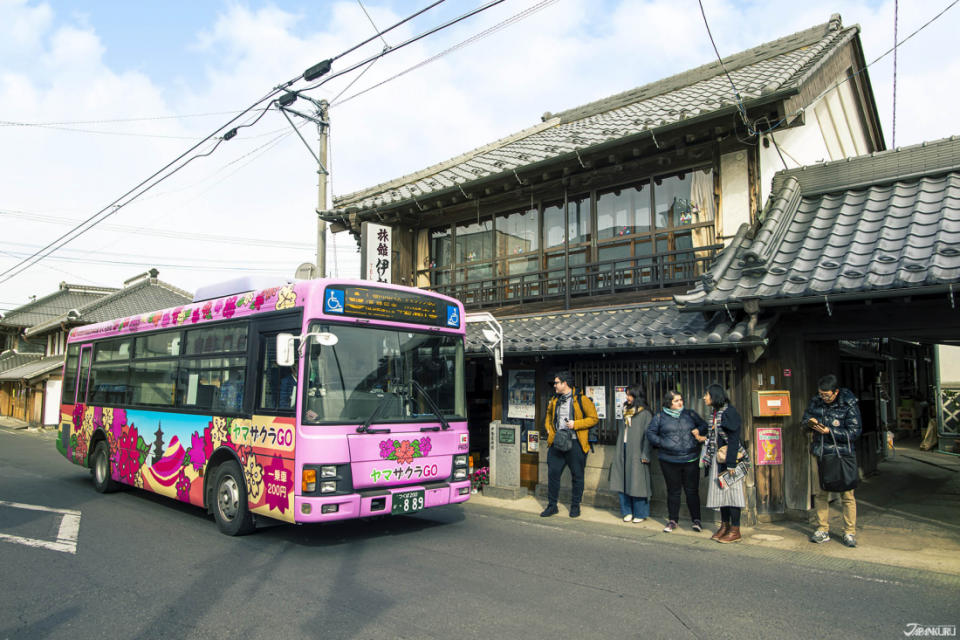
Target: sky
(97,96)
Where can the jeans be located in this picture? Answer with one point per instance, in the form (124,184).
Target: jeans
(632,505)
(685,475)
(576,459)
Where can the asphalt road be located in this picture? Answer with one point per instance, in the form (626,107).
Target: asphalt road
(148,567)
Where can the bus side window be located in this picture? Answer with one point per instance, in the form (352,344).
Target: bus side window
(277,385)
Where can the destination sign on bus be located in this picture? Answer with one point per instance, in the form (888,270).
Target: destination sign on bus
(389,304)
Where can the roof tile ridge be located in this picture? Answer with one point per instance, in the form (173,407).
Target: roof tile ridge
(708,71)
(776,217)
(350,198)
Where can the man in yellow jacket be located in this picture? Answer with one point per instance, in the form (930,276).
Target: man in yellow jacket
(567,411)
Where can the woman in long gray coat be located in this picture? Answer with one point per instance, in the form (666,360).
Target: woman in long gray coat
(630,471)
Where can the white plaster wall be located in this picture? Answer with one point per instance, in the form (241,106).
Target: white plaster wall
(51,399)
(949,357)
(734,192)
(832,131)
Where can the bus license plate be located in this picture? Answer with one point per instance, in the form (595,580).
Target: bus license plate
(407,502)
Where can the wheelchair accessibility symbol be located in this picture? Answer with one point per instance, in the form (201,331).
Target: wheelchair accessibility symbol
(334,301)
(453,316)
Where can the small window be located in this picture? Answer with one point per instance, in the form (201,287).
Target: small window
(109,384)
(112,350)
(159,345)
(278,385)
(212,384)
(217,340)
(152,383)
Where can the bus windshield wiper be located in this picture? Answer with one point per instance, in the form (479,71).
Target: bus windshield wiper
(365,427)
(433,407)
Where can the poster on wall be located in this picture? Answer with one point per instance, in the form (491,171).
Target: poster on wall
(619,397)
(769,446)
(521,394)
(599,397)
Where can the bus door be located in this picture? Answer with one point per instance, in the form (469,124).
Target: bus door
(83,372)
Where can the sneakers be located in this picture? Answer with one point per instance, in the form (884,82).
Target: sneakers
(819,537)
(697,526)
(551,510)
(670,527)
(628,517)
(849,540)
(635,520)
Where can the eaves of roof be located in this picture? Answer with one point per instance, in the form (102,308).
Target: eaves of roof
(871,227)
(34,369)
(630,328)
(146,295)
(68,296)
(12,359)
(764,74)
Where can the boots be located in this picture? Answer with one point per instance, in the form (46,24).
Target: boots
(732,535)
(722,531)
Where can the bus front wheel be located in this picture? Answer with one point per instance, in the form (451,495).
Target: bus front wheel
(100,469)
(230,508)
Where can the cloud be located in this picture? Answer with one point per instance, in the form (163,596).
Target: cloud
(56,67)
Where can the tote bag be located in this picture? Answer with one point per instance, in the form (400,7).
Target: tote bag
(838,470)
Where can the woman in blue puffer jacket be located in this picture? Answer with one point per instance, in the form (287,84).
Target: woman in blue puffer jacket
(674,432)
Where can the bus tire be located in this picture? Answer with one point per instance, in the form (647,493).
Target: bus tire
(230,508)
(100,469)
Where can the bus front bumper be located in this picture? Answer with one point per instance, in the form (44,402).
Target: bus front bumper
(379,502)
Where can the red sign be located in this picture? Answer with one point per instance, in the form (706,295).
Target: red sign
(787,373)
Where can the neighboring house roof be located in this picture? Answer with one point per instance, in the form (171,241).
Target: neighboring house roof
(68,296)
(763,74)
(12,359)
(147,294)
(874,226)
(33,369)
(628,328)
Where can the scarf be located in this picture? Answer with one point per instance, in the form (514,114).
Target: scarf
(673,413)
(713,436)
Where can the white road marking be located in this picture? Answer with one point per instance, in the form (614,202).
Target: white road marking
(67,534)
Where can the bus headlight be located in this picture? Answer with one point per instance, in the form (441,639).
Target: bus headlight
(460,461)
(328,471)
(459,474)
(328,486)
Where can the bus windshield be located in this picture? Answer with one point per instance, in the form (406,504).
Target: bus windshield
(362,375)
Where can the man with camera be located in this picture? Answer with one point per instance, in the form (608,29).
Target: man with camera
(570,414)
(833,416)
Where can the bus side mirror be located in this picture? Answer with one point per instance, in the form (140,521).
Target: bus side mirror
(286,349)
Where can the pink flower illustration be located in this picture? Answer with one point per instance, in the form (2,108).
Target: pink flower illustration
(197,456)
(230,307)
(386,449)
(195,316)
(183,487)
(425,446)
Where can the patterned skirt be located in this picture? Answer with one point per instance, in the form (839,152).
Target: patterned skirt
(731,496)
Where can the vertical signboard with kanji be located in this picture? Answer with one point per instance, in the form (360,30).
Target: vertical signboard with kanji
(376,247)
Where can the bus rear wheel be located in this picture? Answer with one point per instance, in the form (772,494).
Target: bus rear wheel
(100,469)
(230,508)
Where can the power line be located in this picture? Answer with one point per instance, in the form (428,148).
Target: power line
(483,34)
(9,123)
(736,92)
(154,179)
(893,135)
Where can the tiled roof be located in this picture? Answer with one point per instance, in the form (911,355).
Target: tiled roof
(12,359)
(58,303)
(148,294)
(760,74)
(33,369)
(875,226)
(627,328)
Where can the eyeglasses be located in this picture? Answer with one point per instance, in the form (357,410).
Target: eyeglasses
(556,382)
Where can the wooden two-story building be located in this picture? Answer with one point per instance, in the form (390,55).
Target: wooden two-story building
(577,231)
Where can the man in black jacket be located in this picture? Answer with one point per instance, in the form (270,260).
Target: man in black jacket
(833,415)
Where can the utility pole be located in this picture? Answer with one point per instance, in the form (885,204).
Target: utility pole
(323,125)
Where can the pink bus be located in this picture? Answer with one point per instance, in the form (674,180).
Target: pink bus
(311,401)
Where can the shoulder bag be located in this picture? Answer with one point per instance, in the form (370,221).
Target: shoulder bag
(563,440)
(838,469)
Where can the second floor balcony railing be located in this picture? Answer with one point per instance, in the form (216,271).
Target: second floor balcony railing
(576,281)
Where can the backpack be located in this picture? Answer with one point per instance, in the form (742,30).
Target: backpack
(593,435)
